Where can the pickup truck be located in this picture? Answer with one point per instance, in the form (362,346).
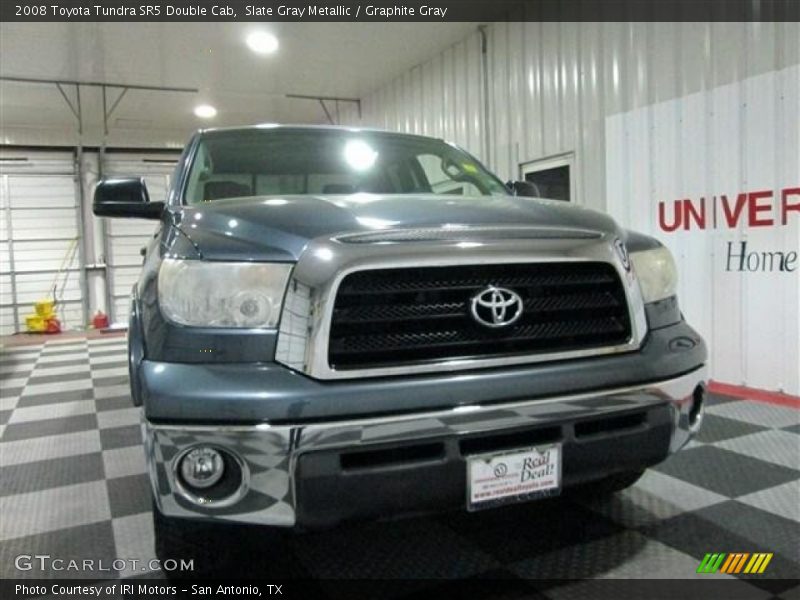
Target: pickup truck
(336,324)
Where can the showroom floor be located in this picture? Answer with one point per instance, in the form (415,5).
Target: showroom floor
(74,486)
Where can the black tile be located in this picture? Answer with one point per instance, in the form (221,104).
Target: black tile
(793,428)
(717,429)
(5,415)
(40,377)
(115,352)
(578,561)
(518,532)
(114,403)
(123,362)
(735,527)
(7,392)
(15,375)
(725,472)
(54,398)
(120,437)
(48,474)
(402,549)
(19,359)
(714,399)
(129,495)
(47,427)
(91,542)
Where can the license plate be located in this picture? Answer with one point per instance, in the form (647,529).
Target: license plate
(513,476)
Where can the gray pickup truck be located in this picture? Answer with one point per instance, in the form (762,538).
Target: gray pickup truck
(337,324)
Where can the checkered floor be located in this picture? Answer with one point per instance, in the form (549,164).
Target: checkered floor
(73,485)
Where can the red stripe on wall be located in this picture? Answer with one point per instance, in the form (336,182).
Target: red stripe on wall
(748,393)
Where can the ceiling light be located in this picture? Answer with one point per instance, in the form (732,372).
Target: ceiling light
(262,42)
(205,111)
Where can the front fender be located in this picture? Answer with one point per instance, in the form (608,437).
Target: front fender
(136,348)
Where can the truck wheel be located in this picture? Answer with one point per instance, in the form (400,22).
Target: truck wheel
(608,485)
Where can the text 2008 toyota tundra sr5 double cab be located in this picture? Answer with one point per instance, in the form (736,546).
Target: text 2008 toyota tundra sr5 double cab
(334,324)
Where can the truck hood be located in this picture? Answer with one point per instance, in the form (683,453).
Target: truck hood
(271,228)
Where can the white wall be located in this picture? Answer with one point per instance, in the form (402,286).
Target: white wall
(740,141)
(653,112)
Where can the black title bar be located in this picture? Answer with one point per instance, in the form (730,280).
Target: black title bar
(400,10)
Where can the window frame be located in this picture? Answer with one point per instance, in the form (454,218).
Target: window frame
(564,159)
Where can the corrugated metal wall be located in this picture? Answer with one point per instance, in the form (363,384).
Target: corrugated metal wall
(442,97)
(653,112)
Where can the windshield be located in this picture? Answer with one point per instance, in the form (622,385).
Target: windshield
(288,162)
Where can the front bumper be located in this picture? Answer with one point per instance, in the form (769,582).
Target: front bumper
(304,474)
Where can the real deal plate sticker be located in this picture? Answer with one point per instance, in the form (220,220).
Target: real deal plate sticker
(513,476)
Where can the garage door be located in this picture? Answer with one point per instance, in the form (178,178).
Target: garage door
(39,237)
(126,237)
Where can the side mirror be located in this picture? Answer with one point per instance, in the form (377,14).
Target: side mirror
(524,188)
(125,198)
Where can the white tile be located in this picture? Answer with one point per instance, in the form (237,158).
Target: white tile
(108,341)
(52,411)
(655,497)
(112,391)
(21,352)
(654,560)
(779,447)
(9,402)
(58,386)
(679,493)
(51,510)
(54,446)
(759,413)
(134,540)
(104,360)
(67,341)
(782,500)
(121,462)
(119,418)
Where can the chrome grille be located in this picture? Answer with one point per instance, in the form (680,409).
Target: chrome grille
(394,317)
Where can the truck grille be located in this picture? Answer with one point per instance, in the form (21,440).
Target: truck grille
(392,317)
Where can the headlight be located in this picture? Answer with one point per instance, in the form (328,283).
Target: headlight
(658,276)
(222,294)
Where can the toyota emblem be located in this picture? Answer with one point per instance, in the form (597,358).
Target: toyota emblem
(496,307)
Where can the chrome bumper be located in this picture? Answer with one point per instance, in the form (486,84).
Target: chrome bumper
(268,454)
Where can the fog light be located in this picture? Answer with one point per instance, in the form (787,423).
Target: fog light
(202,467)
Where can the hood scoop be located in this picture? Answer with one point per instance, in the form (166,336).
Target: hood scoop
(466,234)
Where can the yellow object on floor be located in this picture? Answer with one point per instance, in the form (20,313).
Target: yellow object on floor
(44,308)
(35,323)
